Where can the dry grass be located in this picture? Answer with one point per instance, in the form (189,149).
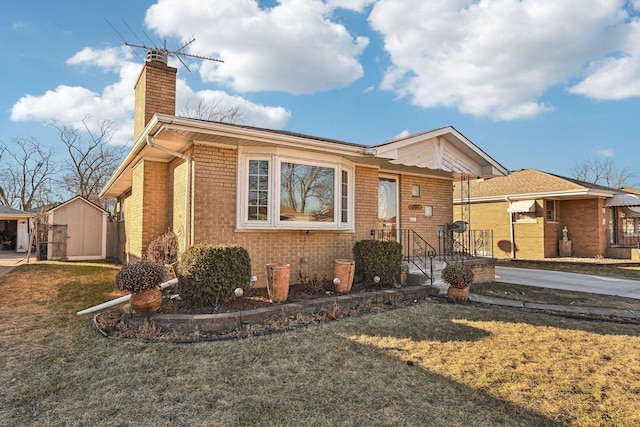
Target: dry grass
(429,364)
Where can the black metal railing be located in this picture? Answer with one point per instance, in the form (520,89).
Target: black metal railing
(415,249)
(468,244)
(627,240)
(452,246)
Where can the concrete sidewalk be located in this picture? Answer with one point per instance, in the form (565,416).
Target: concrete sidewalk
(561,309)
(10,260)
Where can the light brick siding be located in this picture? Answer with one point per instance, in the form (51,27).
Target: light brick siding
(585,220)
(214,216)
(491,216)
(433,192)
(178,182)
(148,209)
(366,202)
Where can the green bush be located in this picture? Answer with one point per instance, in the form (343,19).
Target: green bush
(209,274)
(376,258)
(138,276)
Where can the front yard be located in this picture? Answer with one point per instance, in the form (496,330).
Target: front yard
(428,364)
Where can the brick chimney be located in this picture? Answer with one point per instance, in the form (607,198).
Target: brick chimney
(155,91)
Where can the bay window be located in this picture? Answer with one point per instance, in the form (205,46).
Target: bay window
(278,191)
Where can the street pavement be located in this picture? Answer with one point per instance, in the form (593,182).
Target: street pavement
(569,281)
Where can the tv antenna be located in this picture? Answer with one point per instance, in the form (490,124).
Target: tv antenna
(162,54)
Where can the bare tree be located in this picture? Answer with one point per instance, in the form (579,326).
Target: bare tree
(301,183)
(602,172)
(92,159)
(25,178)
(214,110)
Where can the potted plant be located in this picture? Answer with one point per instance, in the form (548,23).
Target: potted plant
(142,280)
(459,276)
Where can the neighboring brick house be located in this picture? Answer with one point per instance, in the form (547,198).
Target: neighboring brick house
(528,210)
(285,197)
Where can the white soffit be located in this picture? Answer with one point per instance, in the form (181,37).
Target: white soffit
(623,199)
(522,206)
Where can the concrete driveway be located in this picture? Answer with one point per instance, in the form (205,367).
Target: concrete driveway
(569,281)
(11,259)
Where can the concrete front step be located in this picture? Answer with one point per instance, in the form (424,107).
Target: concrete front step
(415,277)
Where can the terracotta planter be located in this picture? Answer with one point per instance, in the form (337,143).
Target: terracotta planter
(278,278)
(147,301)
(458,294)
(344,269)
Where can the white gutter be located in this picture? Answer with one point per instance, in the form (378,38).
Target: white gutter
(187,192)
(121,299)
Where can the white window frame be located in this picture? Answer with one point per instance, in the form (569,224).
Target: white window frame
(273,221)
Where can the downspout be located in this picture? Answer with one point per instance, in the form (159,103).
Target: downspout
(187,197)
(511,231)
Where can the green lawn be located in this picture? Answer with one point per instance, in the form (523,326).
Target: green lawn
(428,364)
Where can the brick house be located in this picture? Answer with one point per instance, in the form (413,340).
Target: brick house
(528,209)
(285,197)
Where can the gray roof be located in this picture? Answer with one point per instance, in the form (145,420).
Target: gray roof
(6,210)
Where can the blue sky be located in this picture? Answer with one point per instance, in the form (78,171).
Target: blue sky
(536,84)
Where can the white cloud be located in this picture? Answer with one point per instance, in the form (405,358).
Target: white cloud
(402,134)
(292,47)
(606,152)
(495,58)
(253,114)
(109,59)
(73,104)
(615,77)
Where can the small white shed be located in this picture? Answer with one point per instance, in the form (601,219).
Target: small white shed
(85,234)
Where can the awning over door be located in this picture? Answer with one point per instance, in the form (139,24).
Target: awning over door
(522,206)
(623,199)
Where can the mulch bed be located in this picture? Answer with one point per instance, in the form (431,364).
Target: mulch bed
(109,322)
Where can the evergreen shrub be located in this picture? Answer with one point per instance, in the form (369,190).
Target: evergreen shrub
(209,274)
(378,258)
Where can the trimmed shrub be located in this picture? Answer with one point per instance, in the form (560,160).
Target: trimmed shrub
(209,274)
(138,276)
(377,258)
(163,249)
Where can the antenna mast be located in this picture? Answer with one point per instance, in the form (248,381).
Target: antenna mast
(162,54)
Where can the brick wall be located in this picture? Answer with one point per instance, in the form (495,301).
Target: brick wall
(434,192)
(491,216)
(588,223)
(366,201)
(133,213)
(586,220)
(148,208)
(178,180)
(156,203)
(529,236)
(214,195)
